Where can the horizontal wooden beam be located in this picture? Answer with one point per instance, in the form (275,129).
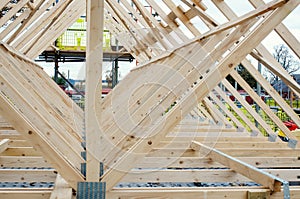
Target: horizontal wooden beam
(28,175)
(209,134)
(21,151)
(203,175)
(236,152)
(191,175)
(19,143)
(25,193)
(221,144)
(199,193)
(205,129)
(211,138)
(238,166)
(17,161)
(204,162)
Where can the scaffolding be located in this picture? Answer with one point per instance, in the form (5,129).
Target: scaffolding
(74,38)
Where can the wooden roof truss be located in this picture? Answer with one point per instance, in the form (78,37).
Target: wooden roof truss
(167,114)
(31,26)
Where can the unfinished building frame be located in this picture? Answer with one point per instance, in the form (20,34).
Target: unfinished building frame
(166,123)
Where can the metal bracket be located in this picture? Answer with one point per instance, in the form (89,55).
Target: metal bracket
(292,143)
(272,137)
(254,133)
(286,190)
(91,190)
(240,129)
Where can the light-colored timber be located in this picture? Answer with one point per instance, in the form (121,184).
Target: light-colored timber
(170,120)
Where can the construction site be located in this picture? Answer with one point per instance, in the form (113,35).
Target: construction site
(175,126)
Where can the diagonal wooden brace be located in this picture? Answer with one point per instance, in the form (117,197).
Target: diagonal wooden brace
(238,166)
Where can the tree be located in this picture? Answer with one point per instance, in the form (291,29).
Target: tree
(245,75)
(61,81)
(287,61)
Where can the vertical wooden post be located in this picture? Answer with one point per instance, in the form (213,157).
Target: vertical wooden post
(94,55)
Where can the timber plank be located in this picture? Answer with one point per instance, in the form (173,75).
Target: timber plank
(28,175)
(25,193)
(204,162)
(200,175)
(23,161)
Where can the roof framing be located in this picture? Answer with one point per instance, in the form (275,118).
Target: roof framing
(151,117)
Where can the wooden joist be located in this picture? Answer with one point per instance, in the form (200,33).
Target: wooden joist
(262,144)
(178,193)
(25,193)
(205,176)
(23,161)
(28,175)
(177,152)
(198,162)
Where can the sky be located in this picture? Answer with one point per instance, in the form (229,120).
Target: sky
(77,70)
